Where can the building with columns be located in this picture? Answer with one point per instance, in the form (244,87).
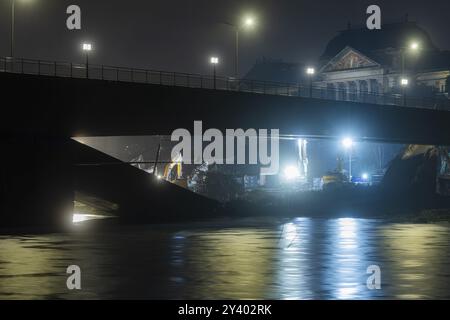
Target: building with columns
(365,65)
(373,65)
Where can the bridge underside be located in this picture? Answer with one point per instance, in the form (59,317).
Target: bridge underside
(39,175)
(78,107)
(40,180)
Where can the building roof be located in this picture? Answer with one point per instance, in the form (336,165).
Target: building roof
(394,35)
(381,45)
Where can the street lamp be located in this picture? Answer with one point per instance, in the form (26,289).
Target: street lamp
(247,23)
(348,145)
(214,61)
(13,18)
(310,72)
(413,47)
(87,47)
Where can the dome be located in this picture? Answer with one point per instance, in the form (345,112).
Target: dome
(395,35)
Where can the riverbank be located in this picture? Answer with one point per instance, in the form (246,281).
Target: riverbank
(351,201)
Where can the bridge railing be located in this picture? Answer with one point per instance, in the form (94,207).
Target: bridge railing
(136,75)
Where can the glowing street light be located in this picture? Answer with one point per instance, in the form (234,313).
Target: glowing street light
(365,176)
(87,47)
(414,46)
(348,144)
(404,82)
(214,61)
(248,22)
(310,71)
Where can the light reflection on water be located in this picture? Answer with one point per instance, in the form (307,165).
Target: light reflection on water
(301,258)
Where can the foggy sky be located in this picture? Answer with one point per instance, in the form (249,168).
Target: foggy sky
(180,36)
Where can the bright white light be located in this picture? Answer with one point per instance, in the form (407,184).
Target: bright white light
(404,82)
(249,22)
(414,46)
(290,232)
(365,176)
(310,71)
(80,217)
(214,60)
(159,177)
(87,46)
(291,173)
(347,143)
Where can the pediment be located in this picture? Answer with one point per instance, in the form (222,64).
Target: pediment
(349,58)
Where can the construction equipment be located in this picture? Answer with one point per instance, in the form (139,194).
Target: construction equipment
(173,172)
(335,178)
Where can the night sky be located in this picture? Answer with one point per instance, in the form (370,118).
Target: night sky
(181,35)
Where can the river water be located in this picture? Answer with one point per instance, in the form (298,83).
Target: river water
(302,258)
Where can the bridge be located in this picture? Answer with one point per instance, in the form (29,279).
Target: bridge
(57,99)
(47,103)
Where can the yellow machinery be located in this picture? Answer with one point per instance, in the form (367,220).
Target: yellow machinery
(173,172)
(336,177)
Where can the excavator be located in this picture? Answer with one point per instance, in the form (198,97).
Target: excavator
(335,178)
(173,172)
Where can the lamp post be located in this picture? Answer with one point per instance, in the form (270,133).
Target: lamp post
(13,13)
(348,145)
(214,61)
(247,23)
(13,26)
(310,72)
(413,47)
(87,47)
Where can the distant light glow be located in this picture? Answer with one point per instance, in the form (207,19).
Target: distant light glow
(310,71)
(291,173)
(404,82)
(414,46)
(365,176)
(249,22)
(214,60)
(81,217)
(159,177)
(87,46)
(347,142)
